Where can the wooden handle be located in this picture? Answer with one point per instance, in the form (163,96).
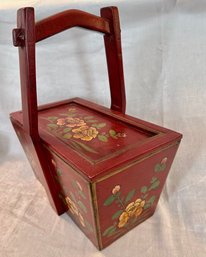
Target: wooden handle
(68,19)
(25,37)
(28,33)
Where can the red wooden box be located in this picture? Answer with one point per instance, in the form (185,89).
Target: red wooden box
(103,167)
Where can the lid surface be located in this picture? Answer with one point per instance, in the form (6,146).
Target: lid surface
(94,139)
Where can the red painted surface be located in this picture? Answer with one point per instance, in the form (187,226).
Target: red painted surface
(103,145)
(132,181)
(75,193)
(89,158)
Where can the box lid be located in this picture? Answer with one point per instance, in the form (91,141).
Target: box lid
(94,139)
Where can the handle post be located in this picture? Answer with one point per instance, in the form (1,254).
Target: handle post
(24,37)
(113,50)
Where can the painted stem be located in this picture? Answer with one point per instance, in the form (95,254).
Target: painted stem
(120,201)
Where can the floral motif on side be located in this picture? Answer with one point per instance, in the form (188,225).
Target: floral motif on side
(130,212)
(73,125)
(75,201)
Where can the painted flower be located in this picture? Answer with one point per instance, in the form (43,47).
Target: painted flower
(72,206)
(74,122)
(164,160)
(139,203)
(72,109)
(85,133)
(61,121)
(115,189)
(133,209)
(81,219)
(123,218)
(121,134)
(53,162)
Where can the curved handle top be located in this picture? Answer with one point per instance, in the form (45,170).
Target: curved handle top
(29,32)
(68,19)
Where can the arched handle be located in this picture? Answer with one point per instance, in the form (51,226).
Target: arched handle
(28,33)
(69,19)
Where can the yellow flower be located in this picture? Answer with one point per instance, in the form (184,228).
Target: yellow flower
(81,219)
(85,133)
(115,189)
(72,206)
(133,209)
(74,122)
(123,218)
(139,203)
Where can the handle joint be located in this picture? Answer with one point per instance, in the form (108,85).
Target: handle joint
(18,37)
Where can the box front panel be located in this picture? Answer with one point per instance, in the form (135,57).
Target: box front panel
(129,195)
(76,195)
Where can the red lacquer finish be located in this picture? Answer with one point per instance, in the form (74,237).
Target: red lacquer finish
(103,167)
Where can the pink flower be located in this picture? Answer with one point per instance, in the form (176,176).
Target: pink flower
(61,121)
(53,162)
(115,189)
(164,160)
(121,134)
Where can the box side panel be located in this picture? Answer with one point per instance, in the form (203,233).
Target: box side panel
(129,195)
(29,151)
(76,196)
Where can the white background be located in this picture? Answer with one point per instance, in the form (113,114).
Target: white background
(164,53)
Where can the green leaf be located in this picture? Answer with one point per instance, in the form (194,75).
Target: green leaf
(73,197)
(153,180)
(71,115)
(163,166)
(146,206)
(84,146)
(112,132)
(158,167)
(82,206)
(88,225)
(82,194)
(52,118)
(67,136)
(88,117)
(144,189)
(154,185)
(130,195)
(117,214)
(152,199)
(102,138)
(109,230)
(109,200)
(111,233)
(63,114)
(99,125)
(59,172)
(91,121)
(67,130)
(74,184)
(52,126)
